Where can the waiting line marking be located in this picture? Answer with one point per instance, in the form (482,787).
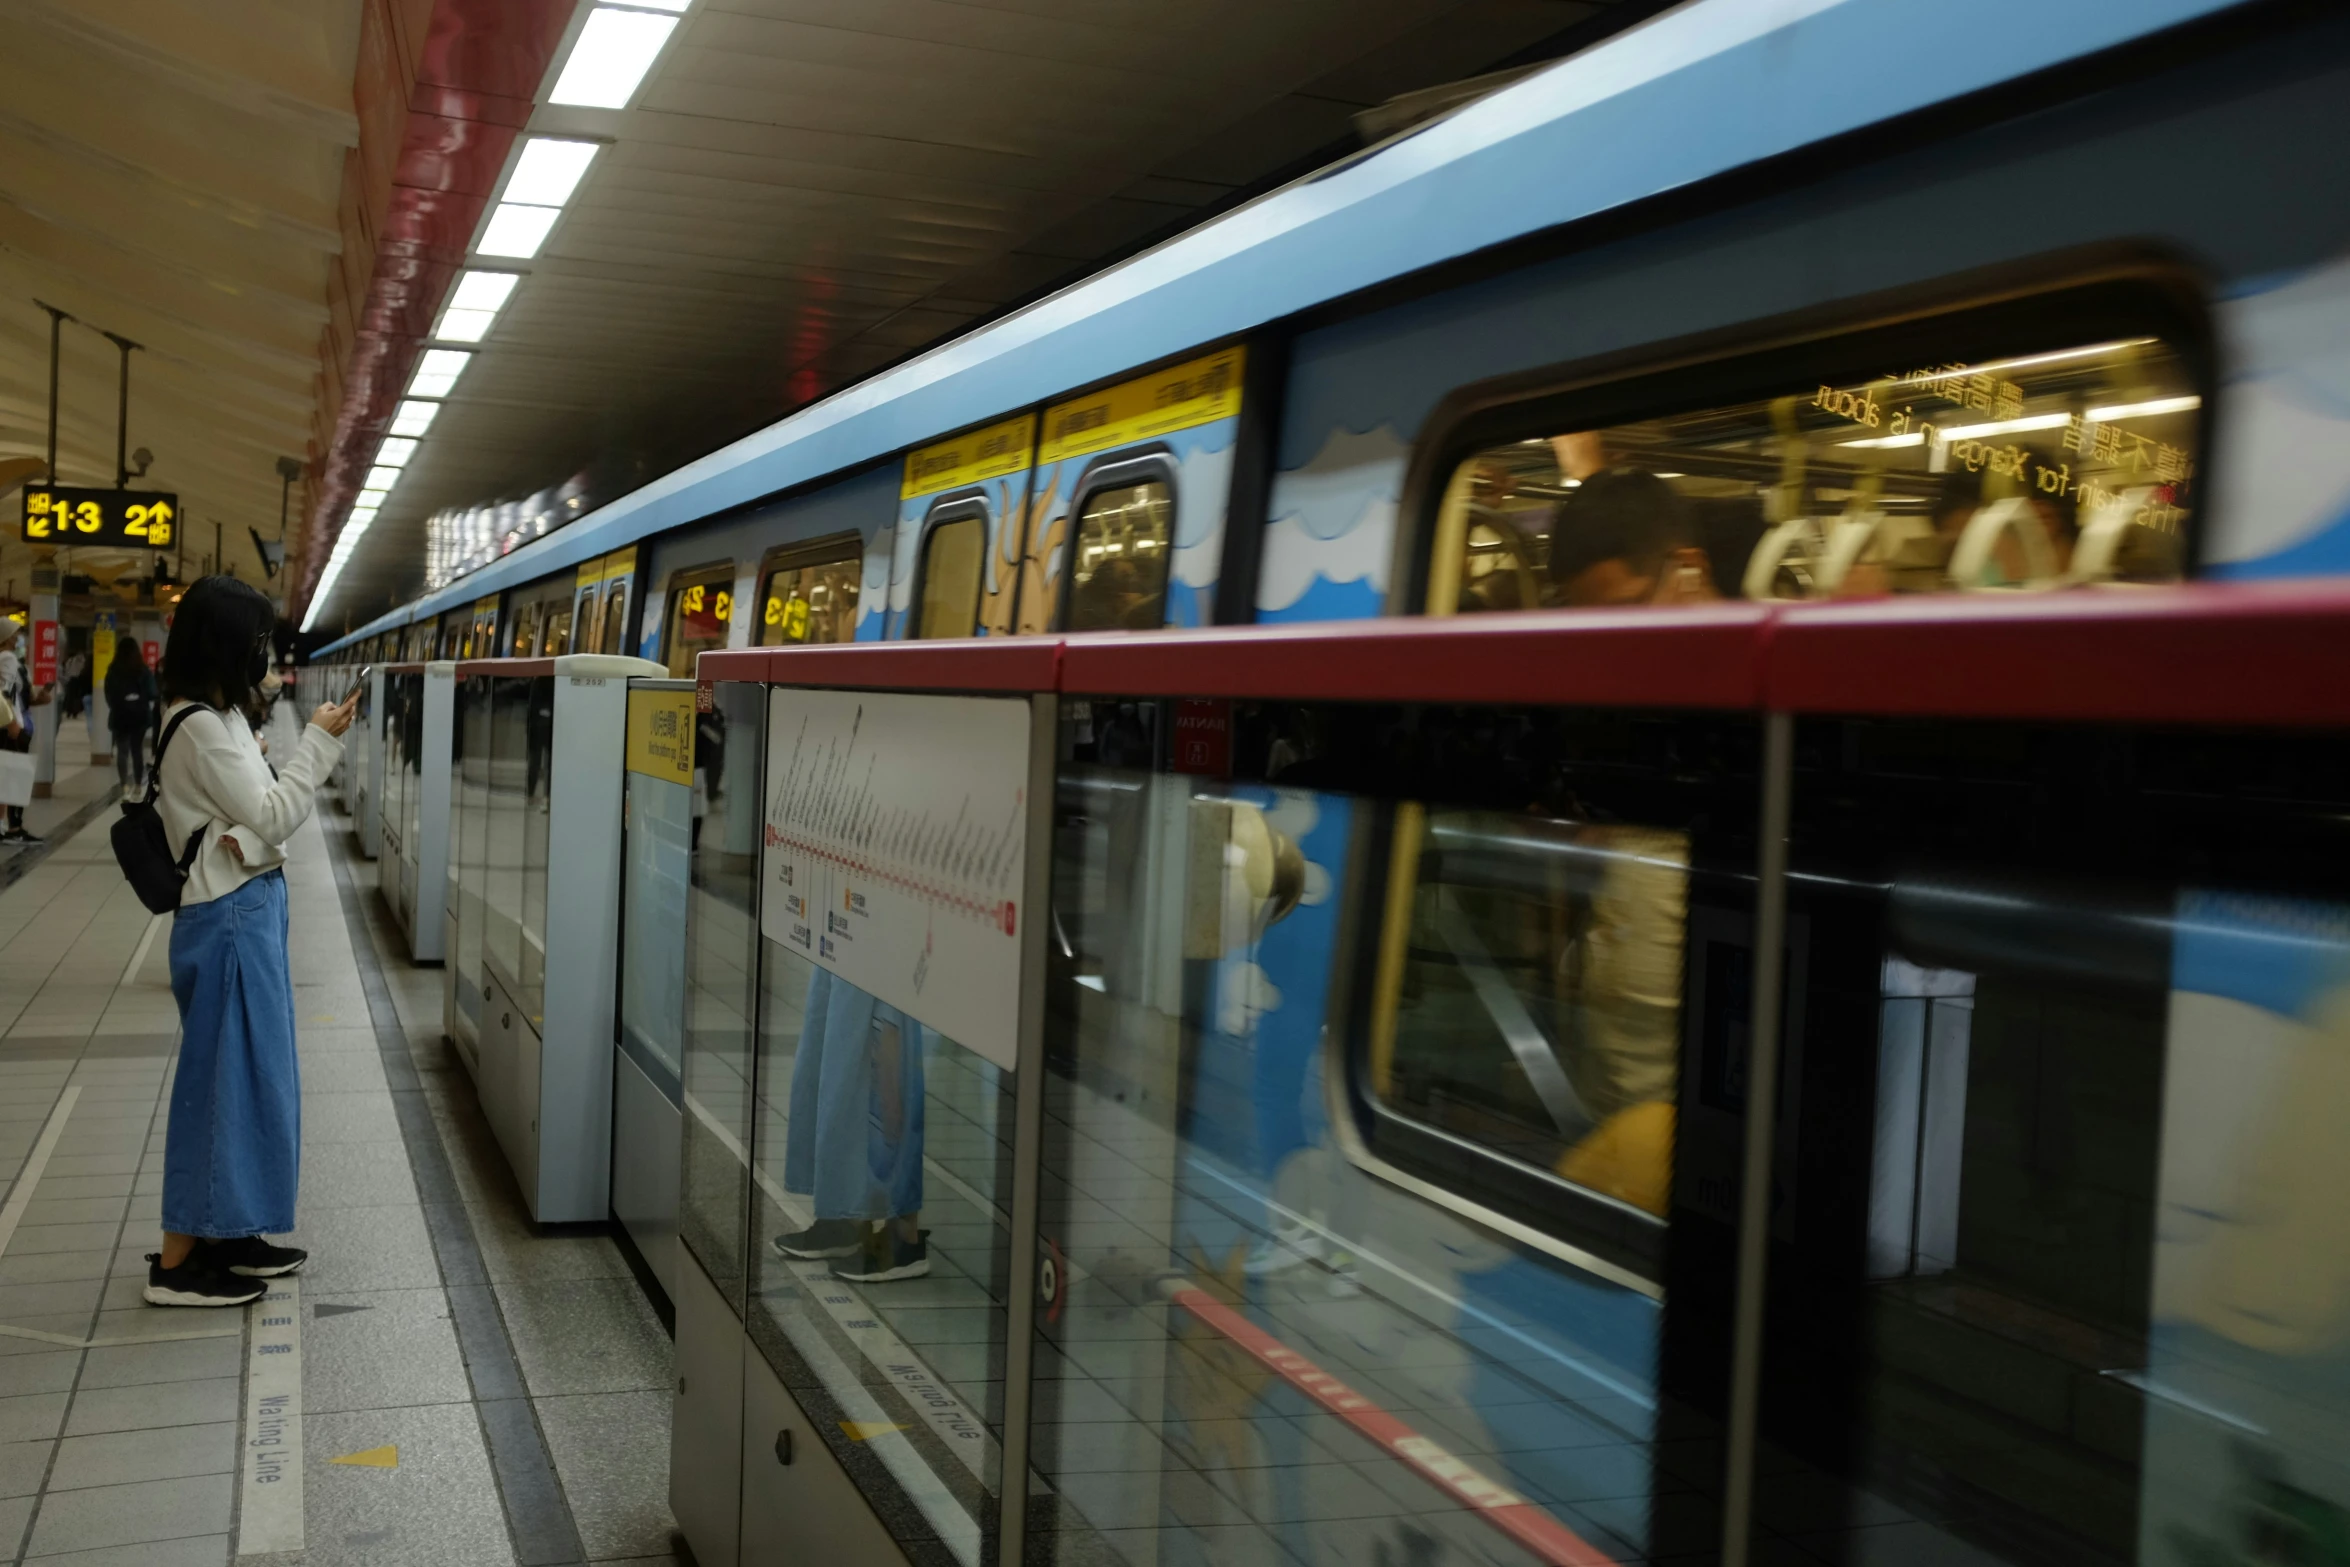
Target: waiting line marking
(270,1518)
(20,1196)
(138,960)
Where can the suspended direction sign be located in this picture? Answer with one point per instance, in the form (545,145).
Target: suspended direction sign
(126,519)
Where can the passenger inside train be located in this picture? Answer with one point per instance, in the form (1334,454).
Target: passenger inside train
(2038,470)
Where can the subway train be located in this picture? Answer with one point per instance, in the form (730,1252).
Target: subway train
(1164,900)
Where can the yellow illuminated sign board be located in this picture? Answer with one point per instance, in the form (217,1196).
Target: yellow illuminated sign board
(661,735)
(1002,448)
(1199,391)
(132,519)
(605,567)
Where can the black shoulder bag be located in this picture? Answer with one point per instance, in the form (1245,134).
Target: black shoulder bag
(143,849)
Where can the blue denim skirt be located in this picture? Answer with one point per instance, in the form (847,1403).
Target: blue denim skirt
(232,1152)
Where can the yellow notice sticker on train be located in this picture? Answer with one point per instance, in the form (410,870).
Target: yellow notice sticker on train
(970,458)
(661,735)
(1176,398)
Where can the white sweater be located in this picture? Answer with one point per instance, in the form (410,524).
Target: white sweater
(215,777)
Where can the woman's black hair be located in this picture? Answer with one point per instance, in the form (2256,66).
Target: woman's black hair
(215,637)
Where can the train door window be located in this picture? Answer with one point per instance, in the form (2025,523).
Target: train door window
(524,633)
(1125,541)
(809,593)
(954,557)
(555,630)
(612,635)
(1882,464)
(701,603)
(2058,1272)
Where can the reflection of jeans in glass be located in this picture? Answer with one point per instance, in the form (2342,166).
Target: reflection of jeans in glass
(855,1138)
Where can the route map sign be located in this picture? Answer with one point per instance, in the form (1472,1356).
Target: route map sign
(896,851)
(126,519)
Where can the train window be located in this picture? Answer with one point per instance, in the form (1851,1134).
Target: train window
(2071,463)
(809,593)
(555,630)
(525,630)
(1125,539)
(701,603)
(953,557)
(1528,998)
(612,621)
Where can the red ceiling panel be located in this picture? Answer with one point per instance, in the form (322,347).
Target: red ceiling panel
(477,77)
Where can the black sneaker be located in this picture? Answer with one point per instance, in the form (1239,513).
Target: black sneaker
(254,1258)
(824,1238)
(195,1282)
(891,1256)
(19,835)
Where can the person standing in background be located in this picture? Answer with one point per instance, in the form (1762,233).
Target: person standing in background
(16,685)
(130,712)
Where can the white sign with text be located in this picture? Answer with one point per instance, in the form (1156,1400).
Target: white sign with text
(896,851)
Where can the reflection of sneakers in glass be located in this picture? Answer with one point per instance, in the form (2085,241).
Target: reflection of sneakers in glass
(1289,1246)
(890,1256)
(824,1238)
(254,1257)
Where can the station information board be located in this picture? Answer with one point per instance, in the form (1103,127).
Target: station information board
(130,519)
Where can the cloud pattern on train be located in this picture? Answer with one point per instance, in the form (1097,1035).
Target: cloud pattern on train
(1332,529)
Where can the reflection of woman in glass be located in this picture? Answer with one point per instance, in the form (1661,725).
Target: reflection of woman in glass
(854,1143)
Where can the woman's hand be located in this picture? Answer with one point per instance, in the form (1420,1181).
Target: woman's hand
(335,717)
(236,850)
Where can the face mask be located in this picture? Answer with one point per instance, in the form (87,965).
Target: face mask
(257,668)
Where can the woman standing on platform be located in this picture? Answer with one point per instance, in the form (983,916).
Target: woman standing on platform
(233,1149)
(130,712)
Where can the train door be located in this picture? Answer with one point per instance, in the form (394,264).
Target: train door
(809,592)
(955,569)
(619,581)
(1126,520)
(701,612)
(587,608)
(482,638)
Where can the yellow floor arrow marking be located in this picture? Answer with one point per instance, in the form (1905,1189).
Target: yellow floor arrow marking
(867,1430)
(386,1457)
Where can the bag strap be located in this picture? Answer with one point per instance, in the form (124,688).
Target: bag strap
(170,728)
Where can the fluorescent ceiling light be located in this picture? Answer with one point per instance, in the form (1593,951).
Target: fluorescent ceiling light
(660,5)
(437,371)
(614,51)
(464,326)
(382,478)
(2028,361)
(1969,432)
(2160,405)
(483,290)
(546,174)
(395,452)
(374,497)
(516,230)
(413,417)
(1914,438)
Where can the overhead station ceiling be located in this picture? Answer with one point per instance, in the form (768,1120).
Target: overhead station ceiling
(801,191)
(277,198)
(169,172)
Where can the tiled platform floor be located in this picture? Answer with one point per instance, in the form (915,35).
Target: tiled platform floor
(520,1374)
